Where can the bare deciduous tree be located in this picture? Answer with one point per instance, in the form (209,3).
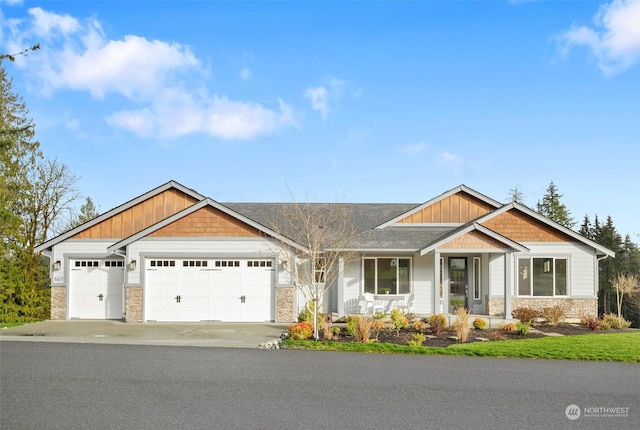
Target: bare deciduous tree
(625,285)
(322,233)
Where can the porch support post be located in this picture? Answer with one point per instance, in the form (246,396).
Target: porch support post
(435,306)
(508,283)
(340,286)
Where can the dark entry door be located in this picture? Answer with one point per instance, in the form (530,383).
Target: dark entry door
(458,292)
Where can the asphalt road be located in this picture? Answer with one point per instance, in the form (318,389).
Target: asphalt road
(90,386)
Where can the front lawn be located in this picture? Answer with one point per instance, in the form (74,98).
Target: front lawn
(624,347)
(11,324)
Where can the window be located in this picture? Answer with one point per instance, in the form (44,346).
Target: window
(387,275)
(545,277)
(476,278)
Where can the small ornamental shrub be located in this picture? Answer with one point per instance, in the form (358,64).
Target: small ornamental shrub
(300,331)
(495,335)
(461,325)
(523,327)
(352,321)
(479,323)
(437,323)
(379,315)
(419,325)
(508,327)
(363,330)
(377,325)
(592,322)
(398,320)
(613,321)
(336,331)
(553,315)
(417,339)
(327,329)
(525,314)
(305,315)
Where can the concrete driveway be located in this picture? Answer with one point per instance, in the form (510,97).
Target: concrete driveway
(216,334)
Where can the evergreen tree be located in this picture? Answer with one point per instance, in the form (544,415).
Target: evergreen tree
(586,229)
(515,195)
(88,211)
(34,192)
(551,207)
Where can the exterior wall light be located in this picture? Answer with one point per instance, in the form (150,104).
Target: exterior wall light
(57,265)
(132,265)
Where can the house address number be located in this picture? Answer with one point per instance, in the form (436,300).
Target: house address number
(58,279)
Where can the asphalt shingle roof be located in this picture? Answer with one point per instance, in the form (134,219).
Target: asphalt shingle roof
(364,218)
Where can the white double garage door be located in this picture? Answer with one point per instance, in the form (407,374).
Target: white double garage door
(232,290)
(180,290)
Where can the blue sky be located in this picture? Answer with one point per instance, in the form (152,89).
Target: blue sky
(362,101)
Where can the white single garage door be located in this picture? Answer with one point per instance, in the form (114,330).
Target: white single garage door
(231,290)
(95,289)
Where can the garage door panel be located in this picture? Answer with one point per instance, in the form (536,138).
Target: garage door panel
(221,290)
(95,289)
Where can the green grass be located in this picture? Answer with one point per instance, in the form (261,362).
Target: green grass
(11,324)
(624,347)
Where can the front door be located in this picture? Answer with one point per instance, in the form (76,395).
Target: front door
(457,283)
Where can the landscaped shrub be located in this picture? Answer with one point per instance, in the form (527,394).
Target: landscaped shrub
(495,335)
(301,330)
(398,320)
(306,314)
(327,329)
(352,321)
(523,327)
(379,315)
(592,322)
(363,330)
(525,314)
(613,321)
(461,325)
(417,339)
(377,325)
(553,315)
(437,323)
(336,332)
(419,325)
(509,326)
(479,323)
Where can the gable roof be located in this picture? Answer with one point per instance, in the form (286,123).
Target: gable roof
(467,228)
(162,188)
(191,209)
(541,218)
(441,197)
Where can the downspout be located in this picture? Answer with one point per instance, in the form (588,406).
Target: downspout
(124,281)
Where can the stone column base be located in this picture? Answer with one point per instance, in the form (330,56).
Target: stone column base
(285,304)
(59,303)
(573,308)
(133,304)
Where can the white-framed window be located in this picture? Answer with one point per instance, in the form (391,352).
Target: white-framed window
(477,278)
(542,276)
(387,275)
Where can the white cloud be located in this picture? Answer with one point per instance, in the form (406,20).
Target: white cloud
(163,80)
(217,116)
(245,74)
(324,98)
(414,149)
(452,162)
(614,39)
(319,97)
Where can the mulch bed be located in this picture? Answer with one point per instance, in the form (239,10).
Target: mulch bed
(447,337)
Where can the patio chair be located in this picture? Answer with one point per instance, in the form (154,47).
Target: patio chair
(406,304)
(370,303)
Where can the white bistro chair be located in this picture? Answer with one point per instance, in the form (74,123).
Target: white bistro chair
(370,303)
(406,304)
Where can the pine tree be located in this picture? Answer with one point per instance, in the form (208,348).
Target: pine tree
(88,211)
(553,209)
(515,195)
